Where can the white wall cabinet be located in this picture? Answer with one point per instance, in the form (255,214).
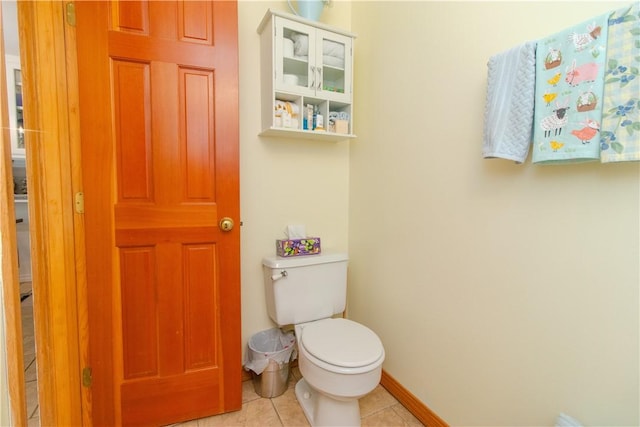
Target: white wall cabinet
(14,98)
(306,66)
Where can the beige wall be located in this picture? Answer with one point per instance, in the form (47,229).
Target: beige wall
(283,181)
(504,294)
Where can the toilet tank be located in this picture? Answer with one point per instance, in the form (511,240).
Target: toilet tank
(305,288)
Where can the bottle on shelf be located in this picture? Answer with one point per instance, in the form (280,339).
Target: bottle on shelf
(319,121)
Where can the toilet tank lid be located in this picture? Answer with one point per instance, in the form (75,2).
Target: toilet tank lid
(301,261)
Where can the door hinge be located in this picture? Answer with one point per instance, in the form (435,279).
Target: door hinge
(70,9)
(87,379)
(79,202)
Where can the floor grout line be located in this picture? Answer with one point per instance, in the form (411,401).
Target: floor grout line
(277,412)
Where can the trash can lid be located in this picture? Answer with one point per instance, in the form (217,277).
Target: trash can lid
(342,342)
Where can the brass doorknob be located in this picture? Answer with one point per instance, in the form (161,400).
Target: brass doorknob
(226,224)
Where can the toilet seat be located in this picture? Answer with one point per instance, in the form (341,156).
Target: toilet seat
(342,343)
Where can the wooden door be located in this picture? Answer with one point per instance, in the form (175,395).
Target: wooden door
(158,84)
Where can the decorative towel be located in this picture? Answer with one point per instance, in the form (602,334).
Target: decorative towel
(569,81)
(565,420)
(620,132)
(508,112)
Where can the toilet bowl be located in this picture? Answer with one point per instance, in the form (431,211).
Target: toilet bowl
(340,360)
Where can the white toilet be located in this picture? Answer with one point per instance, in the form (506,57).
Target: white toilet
(340,360)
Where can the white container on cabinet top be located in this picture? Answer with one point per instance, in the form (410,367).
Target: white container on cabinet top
(305,63)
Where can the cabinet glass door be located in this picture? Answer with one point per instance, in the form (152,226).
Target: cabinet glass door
(334,58)
(14,95)
(294,55)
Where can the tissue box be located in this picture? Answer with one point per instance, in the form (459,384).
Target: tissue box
(341,126)
(296,247)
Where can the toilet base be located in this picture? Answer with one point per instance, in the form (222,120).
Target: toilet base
(322,410)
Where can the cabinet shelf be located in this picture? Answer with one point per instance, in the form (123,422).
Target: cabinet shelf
(306,66)
(306,134)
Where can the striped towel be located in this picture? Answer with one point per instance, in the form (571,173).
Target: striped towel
(508,114)
(620,132)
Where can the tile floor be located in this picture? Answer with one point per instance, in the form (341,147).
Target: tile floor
(29,350)
(379,408)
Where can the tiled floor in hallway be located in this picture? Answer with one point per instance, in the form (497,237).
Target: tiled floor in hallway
(29,351)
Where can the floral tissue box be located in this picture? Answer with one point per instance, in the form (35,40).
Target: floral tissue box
(295,247)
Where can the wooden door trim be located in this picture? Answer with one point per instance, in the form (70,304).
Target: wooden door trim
(421,411)
(51,117)
(9,273)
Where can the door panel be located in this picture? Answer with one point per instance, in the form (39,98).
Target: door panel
(196,124)
(131,90)
(139,321)
(163,75)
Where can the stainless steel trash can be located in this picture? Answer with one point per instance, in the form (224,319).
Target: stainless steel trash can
(273,380)
(268,356)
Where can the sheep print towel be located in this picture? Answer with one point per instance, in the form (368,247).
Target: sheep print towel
(570,67)
(620,132)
